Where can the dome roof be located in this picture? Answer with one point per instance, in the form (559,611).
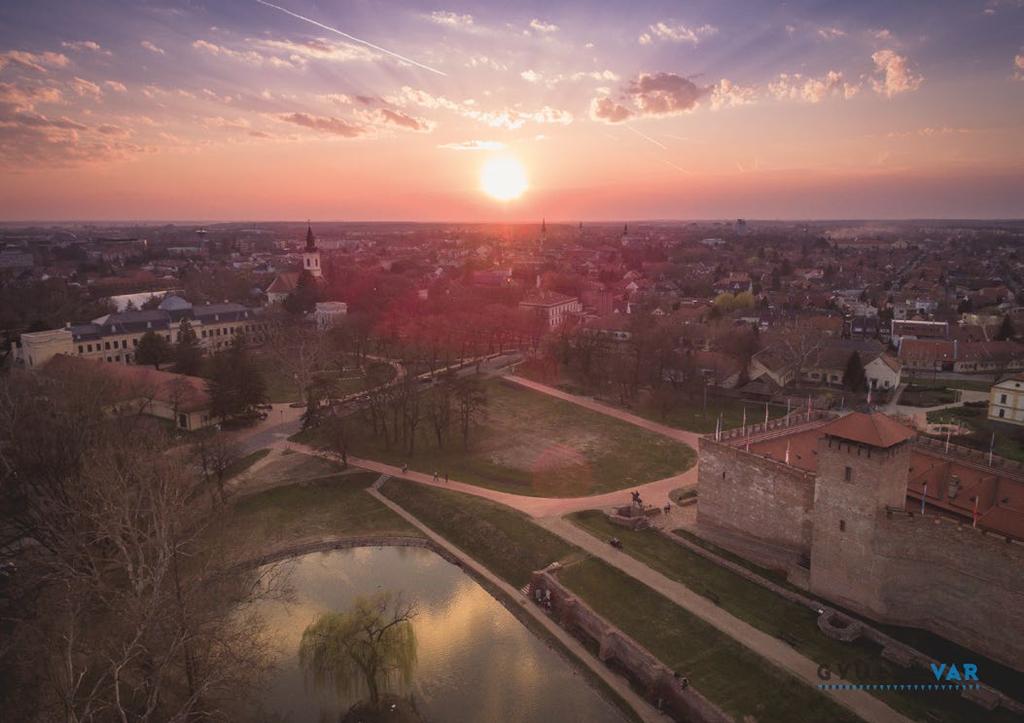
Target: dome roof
(174,303)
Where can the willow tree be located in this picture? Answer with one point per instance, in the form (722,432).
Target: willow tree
(367,650)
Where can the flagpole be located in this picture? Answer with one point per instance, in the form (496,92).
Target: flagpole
(923,496)
(975,523)
(948,430)
(991,447)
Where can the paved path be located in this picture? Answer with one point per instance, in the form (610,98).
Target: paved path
(652,492)
(680,435)
(863,704)
(644,710)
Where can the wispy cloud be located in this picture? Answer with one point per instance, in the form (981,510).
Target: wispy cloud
(676,33)
(473,146)
(152,48)
(353,38)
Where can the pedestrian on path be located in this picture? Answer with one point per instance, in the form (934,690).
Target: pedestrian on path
(435,477)
(446,478)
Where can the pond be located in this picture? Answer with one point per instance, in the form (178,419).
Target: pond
(475,661)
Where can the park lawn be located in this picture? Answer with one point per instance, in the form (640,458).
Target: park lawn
(927,396)
(781,618)
(243,463)
(533,444)
(282,387)
(1009,442)
(691,415)
(512,546)
(501,538)
(328,506)
(738,680)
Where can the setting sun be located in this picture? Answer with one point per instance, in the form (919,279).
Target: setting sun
(503,179)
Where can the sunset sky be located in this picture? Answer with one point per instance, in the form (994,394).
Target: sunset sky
(336,110)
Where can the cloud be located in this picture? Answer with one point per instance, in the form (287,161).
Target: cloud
(831,33)
(21,98)
(607,110)
(326,124)
(116,86)
(108,129)
(543,27)
(84,87)
(532,76)
(677,33)
(896,75)
(86,45)
(650,95)
(508,118)
(664,93)
(39,62)
(794,86)
(403,120)
(226,123)
(882,34)
(455,20)
(250,57)
(299,52)
(152,48)
(727,94)
(1018,64)
(473,146)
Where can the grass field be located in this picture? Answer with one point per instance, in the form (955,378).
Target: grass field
(687,414)
(512,546)
(283,388)
(328,506)
(534,444)
(777,616)
(501,538)
(1009,441)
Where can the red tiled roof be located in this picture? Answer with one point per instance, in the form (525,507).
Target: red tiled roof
(877,430)
(284,283)
(130,381)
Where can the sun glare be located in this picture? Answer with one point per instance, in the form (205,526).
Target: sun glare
(503,178)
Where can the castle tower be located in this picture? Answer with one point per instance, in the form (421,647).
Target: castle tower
(311,255)
(863,465)
(543,233)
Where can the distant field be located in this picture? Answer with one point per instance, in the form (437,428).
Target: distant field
(534,444)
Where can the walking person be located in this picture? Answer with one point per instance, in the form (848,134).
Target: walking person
(446,478)
(435,477)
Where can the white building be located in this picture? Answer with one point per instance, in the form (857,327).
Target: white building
(1006,400)
(329,313)
(553,307)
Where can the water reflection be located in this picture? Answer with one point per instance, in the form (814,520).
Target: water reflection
(475,660)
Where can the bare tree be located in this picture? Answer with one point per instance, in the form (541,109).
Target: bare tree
(122,606)
(215,455)
(471,404)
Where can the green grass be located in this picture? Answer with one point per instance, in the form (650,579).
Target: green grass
(691,415)
(917,395)
(282,387)
(292,468)
(338,506)
(509,544)
(1009,440)
(533,444)
(244,463)
(501,538)
(737,679)
(777,616)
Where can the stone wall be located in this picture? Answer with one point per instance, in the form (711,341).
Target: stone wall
(661,685)
(754,506)
(957,581)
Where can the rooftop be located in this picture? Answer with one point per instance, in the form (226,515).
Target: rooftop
(875,429)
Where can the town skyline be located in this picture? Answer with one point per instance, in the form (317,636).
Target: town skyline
(242,110)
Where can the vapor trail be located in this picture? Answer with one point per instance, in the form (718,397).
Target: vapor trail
(353,38)
(642,135)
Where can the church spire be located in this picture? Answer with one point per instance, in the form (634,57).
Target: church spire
(310,238)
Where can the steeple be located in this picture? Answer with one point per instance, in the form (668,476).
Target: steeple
(310,238)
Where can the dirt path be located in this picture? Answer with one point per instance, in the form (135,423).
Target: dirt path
(680,435)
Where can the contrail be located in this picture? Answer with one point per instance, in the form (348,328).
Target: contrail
(642,135)
(350,37)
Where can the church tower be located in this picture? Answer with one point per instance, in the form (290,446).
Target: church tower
(311,255)
(543,234)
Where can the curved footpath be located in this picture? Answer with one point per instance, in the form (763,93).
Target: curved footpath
(549,510)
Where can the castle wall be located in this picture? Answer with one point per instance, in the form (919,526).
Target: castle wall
(756,507)
(957,581)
